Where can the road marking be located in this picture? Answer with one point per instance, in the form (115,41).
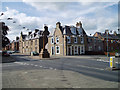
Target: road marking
(50,68)
(45,67)
(32,64)
(40,66)
(90,67)
(102,60)
(25,72)
(36,65)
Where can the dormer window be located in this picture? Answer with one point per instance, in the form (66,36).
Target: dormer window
(75,39)
(57,40)
(73,30)
(80,31)
(68,39)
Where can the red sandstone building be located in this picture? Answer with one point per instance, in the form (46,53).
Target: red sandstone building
(113,41)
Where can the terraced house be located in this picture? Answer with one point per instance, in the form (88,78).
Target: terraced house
(33,41)
(67,40)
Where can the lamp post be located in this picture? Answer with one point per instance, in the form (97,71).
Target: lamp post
(107,43)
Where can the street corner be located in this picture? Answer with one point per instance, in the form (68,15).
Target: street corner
(8,59)
(112,69)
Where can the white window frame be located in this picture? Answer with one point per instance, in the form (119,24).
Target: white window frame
(74,40)
(83,50)
(74,50)
(68,37)
(56,49)
(57,38)
(82,40)
(51,40)
(73,30)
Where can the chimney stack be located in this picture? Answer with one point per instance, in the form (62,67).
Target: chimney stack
(58,24)
(29,33)
(79,24)
(17,38)
(36,30)
(106,32)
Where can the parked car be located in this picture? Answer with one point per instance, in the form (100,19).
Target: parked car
(5,53)
(16,52)
(117,54)
(34,53)
(9,52)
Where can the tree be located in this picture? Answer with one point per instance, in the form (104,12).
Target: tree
(4,31)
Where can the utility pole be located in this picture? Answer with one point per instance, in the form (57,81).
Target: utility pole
(107,43)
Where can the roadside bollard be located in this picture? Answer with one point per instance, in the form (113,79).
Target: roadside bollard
(112,62)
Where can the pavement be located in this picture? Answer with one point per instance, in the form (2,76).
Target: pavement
(52,79)
(58,72)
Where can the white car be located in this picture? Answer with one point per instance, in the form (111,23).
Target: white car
(117,54)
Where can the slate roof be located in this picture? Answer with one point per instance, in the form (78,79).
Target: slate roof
(111,36)
(66,30)
(24,36)
(32,35)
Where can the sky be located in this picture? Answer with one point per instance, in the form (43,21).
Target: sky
(95,16)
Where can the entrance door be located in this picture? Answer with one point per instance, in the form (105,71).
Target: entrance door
(79,50)
(69,50)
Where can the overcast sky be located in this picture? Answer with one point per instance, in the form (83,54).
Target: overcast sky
(95,16)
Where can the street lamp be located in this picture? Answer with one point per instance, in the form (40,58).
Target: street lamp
(107,31)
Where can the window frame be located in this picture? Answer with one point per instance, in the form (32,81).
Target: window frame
(76,40)
(56,49)
(52,40)
(82,40)
(68,37)
(57,38)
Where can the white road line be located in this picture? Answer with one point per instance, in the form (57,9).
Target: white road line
(40,66)
(50,68)
(25,72)
(36,65)
(90,67)
(45,67)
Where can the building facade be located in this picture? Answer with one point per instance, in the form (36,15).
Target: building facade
(94,45)
(67,40)
(32,42)
(15,44)
(111,42)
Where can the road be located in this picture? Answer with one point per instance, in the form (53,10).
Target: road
(88,67)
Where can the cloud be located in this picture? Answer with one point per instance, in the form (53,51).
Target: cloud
(22,20)
(94,15)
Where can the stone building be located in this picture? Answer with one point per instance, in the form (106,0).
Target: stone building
(113,41)
(15,45)
(94,45)
(67,40)
(33,41)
